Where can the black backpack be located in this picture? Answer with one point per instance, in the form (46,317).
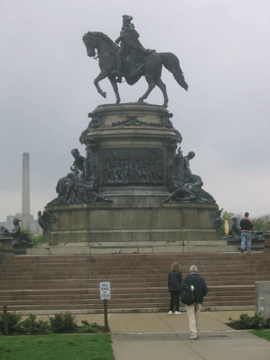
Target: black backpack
(187,294)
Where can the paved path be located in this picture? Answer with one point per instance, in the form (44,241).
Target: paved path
(240,345)
(159,336)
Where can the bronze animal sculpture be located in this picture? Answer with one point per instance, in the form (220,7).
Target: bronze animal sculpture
(151,66)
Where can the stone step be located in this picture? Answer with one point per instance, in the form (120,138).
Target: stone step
(112,258)
(138,282)
(144,283)
(120,277)
(98,304)
(137,269)
(77,292)
(133,275)
(116,292)
(129,302)
(134,267)
(228,298)
(113,285)
(158,274)
(160,306)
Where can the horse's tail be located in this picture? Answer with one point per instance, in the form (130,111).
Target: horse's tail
(171,63)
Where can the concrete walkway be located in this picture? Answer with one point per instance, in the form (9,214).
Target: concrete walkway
(239,345)
(159,336)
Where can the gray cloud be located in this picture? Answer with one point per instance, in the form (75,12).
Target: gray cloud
(47,89)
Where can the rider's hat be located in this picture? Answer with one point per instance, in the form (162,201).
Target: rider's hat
(127,18)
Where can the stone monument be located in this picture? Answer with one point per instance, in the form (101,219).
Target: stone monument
(133,191)
(26,192)
(16,240)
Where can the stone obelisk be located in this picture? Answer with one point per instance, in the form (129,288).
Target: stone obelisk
(26,192)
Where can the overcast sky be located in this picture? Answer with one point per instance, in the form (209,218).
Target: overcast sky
(47,90)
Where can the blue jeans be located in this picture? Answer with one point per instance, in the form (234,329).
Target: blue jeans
(246,241)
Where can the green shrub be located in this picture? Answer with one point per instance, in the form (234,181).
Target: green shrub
(60,323)
(250,322)
(13,320)
(32,327)
(267,323)
(89,328)
(63,323)
(35,239)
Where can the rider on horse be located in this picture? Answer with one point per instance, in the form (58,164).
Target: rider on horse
(131,46)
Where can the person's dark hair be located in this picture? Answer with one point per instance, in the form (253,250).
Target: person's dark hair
(175,266)
(246,214)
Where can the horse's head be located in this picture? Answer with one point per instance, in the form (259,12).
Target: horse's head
(90,41)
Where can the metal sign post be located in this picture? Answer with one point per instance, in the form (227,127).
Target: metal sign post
(105,294)
(5,319)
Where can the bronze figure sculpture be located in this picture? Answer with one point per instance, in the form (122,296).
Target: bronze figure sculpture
(185,186)
(45,220)
(19,237)
(77,187)
(217,225)
(131,60)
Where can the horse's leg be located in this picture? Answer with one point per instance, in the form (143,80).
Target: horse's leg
(103,74)
(115,88)
(151,84)
(162,87)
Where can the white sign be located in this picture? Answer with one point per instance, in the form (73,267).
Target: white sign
(105,290)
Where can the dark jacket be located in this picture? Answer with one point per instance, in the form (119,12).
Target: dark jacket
(246,224)
(174,280)
(199,284)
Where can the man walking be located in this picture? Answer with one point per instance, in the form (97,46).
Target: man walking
(246,227)
(200,289)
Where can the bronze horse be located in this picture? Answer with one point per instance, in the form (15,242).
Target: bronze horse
(152,66)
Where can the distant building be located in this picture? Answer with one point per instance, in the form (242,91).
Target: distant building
(34,227)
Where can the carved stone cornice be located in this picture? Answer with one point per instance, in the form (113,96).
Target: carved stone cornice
(95,123)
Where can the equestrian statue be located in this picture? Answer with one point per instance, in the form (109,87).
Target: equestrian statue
(131,61)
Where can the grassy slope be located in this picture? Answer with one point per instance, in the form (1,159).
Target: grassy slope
(265,334)
(56,347)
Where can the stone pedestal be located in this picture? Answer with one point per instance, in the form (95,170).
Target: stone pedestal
(267,242)
(130,160)
(130,149)
(21,249)
(6,249)
(139,227)
(262,298)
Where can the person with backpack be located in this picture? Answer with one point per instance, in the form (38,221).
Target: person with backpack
(174,282)
(193,289)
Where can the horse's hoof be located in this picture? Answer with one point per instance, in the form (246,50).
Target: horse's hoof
(165,105)
(140,101)
(104,94)
(117,102)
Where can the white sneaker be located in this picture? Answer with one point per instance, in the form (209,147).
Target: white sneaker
(170,312)
(177,313)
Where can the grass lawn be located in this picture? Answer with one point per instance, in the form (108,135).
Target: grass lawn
(265,334)
(56,347)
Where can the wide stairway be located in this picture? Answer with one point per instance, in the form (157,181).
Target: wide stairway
(49,284)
